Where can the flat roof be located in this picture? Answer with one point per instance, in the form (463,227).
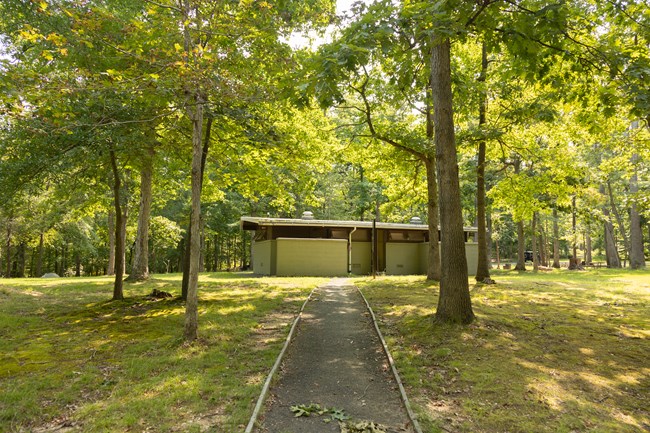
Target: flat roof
(253,223)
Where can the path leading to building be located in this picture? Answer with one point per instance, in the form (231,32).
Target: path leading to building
(335,360)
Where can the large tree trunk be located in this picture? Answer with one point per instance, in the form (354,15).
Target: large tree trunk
(140,268)
(611,251)
(110,268)
(482,270)
(454,303)
(118,292)
(433,254)
(556,240)
(637,256)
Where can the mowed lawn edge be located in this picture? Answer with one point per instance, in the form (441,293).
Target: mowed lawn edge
(557,351)
(72,360)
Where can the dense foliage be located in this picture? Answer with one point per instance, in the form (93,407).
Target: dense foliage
(94,94)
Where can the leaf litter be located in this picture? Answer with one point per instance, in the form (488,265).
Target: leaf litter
(334,414)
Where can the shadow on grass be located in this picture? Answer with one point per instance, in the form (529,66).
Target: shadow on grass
(546,354)
(69,356)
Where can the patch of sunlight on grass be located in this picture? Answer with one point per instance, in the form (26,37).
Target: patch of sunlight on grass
(69,353)
(557,352)
(234,310)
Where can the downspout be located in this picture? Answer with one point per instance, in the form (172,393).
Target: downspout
(350,250)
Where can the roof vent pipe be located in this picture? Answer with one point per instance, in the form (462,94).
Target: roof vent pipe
(307,215)
(416,220)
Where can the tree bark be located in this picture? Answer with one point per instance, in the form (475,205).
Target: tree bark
(110,268)
(482,270)
(433,253)
(454,303)
(556,240)
(8,249)
(588,248)
(140,268)
(191,304)
(637,255)
(39,259)
(533,226)
(521,247)
(187,256)
(77,264)
(118,293)
(619,219)
(611,251)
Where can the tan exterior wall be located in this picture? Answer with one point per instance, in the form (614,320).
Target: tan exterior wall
(312,257)
(264,257)
(424,257)
(403,258)
(361,258)
(471,251)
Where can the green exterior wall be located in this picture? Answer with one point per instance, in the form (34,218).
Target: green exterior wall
(361,258)
(471,251)
(311,257)
(264,257)
(403,258)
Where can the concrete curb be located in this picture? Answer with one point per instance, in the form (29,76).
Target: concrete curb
(402,391)
(278,361)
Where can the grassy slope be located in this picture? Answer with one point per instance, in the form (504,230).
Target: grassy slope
(550,352)
(69,357)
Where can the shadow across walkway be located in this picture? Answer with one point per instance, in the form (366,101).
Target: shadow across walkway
(335,360)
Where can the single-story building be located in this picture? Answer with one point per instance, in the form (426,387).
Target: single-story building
(310,247)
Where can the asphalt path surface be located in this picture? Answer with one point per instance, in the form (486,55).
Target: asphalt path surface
(335,359)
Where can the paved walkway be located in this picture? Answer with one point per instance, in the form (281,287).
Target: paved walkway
(335,359)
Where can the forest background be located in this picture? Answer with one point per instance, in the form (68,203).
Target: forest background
(117,116)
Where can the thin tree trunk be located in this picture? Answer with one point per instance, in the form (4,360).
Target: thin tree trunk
(588,253)
(39,260)
(77,260)
(118,293)
(433,211)
(637,256)
(521,247)
(140,268)
(574,236)
(619,219)
(496,243)
(533,226)
(187,257)
(611,251)
(191,304)
(433,253)
(556,240)
(482,270)
(110,269)
(454,303)
(8,250)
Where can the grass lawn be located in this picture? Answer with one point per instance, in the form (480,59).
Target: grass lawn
(549,352)
(71,360)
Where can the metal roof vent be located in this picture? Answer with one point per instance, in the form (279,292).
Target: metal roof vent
(307,215)
(416,220)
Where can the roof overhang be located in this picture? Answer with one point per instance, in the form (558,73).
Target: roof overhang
(254,223)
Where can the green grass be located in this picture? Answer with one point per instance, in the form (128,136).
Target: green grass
(71,357)
(549,352)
